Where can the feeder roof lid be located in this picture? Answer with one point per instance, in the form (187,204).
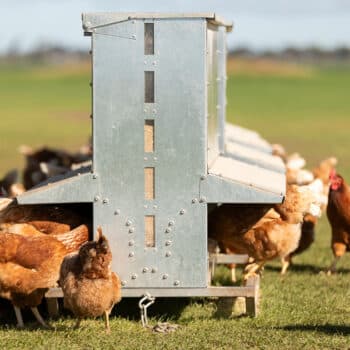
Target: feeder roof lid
(93,20)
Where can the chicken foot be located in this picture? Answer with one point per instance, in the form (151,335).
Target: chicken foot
(38,317)
(77,324)
(251,270)
(332,269)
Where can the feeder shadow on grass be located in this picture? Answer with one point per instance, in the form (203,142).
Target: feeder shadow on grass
(327,329)
(304,268)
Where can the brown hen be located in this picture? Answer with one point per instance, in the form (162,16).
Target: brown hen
(89,287)
(263,234)
(29,265)
(338,213)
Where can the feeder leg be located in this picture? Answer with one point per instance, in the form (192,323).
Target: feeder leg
(252,303)
(52,307)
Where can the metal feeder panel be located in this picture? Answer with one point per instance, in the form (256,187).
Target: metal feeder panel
(160,146)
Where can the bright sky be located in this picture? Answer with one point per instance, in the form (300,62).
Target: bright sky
(259,24)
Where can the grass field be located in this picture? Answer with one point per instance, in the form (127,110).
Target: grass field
(303,107)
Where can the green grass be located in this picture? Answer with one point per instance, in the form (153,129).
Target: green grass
(303,310)
(40,106)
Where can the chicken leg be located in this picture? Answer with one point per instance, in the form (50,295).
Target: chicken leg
(37,315)
(20,323)
(108,329)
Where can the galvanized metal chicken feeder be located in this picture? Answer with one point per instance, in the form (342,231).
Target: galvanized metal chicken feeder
(162,150)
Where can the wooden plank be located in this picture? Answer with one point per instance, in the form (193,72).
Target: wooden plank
(229,258)
(149,136)
(149,183)
(150,231)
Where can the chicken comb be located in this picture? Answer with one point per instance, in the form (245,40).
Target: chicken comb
(332,173)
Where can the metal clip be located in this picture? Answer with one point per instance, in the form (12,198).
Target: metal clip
(144,306)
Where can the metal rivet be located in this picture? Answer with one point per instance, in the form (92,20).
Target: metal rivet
(176,283)
(97,198)
(154,270)
(165,276)
(123,283)
(202,200)
(105,201)
(145,269)
(167,254)
(134,276)
(194,200)
(94,176)
(131,243)
(131,254)
(167,243)
(202,177)
(182,211)
(128,223)
(168,230)
(133,36)
(117,212)
(171,223)
(131,230)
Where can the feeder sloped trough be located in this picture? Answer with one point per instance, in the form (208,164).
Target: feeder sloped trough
(162,149)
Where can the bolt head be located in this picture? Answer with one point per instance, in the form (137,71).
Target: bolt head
(171,223)
(194,200)
(182,211)
(202,200)
(128,223)
(168,254)
(203,177)
(105,201)
(168,230)
(131,230)
(94,176)
(168,243)
(145,269)
(131,254)
(165,276)
(97,198)
(123,283)
(131,243)
(176,283)
(117,212)
(134,276)
(154,270)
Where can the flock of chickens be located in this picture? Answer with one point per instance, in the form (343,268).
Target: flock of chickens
(45,246)
(265,232)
